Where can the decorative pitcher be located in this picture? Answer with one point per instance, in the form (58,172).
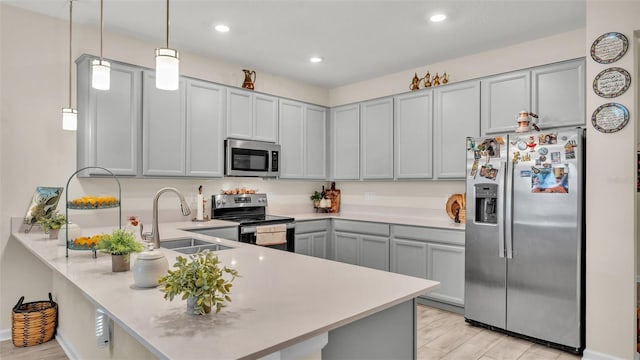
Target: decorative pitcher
(249,79)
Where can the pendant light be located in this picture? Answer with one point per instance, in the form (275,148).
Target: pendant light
(69,114)
(167,64)
(101,70)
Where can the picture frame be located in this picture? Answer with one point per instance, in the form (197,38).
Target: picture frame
(609,47)
(611,82)
(43,203)
(610,118)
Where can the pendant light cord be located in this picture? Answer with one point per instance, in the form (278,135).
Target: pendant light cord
(101,28)
(70,38)
(167,24)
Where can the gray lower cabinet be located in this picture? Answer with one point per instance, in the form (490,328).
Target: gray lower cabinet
(312,238)
(414,135)
(345,142)
(109,122)
(434,254)
(376,139)
(361,243)
(303,141)
(182,130)
(163,129)
(456,116)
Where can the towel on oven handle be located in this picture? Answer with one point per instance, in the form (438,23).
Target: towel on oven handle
(271,234)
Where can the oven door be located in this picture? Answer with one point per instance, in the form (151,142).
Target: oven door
(248,235)
(251,158)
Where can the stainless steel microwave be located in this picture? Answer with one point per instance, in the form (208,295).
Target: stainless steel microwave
(251,158)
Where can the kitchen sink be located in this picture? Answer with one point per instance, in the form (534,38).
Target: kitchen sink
(192,246)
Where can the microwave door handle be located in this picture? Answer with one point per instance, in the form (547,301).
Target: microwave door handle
(501,208)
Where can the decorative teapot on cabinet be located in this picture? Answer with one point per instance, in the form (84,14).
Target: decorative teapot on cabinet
(249,79)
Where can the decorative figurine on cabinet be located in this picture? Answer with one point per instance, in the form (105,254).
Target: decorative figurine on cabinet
(415,82)
(436,80)
(445,78)
(427,80)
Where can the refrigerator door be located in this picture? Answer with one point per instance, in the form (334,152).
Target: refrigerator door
(544,274)
(485,262)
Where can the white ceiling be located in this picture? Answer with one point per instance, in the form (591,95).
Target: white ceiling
(358,39)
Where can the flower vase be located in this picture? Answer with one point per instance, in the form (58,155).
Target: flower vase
(119,263)
(53,233)
(191,306)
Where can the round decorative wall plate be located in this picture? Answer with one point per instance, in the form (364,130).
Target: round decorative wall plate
(611,82)
(609,47)
(610,117)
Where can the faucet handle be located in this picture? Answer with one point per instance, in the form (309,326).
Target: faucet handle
(146,236)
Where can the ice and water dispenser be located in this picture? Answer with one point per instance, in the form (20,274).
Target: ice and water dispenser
(486,202)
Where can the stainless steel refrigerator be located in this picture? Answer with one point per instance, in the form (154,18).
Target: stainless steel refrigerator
(524,255)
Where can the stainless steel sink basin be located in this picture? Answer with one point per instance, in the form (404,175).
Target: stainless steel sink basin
(192,246)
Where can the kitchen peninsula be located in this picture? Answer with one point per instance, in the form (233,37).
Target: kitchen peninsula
(284,305)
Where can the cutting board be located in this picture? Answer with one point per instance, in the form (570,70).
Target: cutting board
(334,196)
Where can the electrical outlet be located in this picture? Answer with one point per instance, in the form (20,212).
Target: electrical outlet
(369,196)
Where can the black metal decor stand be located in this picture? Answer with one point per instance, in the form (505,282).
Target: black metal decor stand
(118,205)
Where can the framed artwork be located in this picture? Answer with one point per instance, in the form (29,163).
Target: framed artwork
(44,202)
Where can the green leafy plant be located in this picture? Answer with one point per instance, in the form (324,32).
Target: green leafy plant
(316,196)
(202,278)
(120,242)
(52,222)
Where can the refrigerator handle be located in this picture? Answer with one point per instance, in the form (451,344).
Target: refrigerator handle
(501,208)
(508,218)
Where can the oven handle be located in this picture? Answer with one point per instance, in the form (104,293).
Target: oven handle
(252,229)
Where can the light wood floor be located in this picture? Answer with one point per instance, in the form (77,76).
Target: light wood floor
(441,335)
(445,335)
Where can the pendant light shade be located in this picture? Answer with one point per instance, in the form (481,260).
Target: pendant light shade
(167,64)
(101,69)
(167,69)
(69,119)
(69,114)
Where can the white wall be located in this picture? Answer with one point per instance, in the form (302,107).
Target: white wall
(611,198)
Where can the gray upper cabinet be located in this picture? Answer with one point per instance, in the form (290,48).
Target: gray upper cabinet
(414,135)
(376,139)
(109,121)
(345,142)
(303,138)
(315,122)
(503,97)
(457,115)
(251,116)
(291,139)
(164,126)
(558,94)
(205,129)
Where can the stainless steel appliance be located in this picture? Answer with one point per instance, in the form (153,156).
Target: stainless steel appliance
(251,158)
(250,211)
(524,255)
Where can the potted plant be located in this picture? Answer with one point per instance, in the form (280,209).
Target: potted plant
(51,224)
(316,197)
(201,281)
(120,244)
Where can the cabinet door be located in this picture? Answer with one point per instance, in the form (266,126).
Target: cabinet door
(109,121)
(345,142)
(303,244)
(446,265)
(205,120)
(319,244)
(559,94)
(414,135)
(239,114)
(457,115)
(291,139)
(265,118)
(315,142)
(503,97)
(376,134)
(163,124)
(409,258)
(374,252)
(346,248)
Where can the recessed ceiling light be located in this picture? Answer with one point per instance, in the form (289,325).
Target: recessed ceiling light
(316,59)
(438,17)
(222,28)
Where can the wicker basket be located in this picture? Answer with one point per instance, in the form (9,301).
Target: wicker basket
(33,323)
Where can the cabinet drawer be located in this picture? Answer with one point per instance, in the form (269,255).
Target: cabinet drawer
(303,227)
(455,237)
(361,227)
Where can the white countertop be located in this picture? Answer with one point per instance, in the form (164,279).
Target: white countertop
(280,300)
(441,222)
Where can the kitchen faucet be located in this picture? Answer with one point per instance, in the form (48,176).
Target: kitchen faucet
(154,235)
